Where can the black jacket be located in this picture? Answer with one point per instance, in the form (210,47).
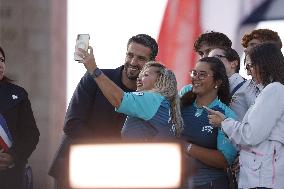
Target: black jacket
(16,109)
(89,116)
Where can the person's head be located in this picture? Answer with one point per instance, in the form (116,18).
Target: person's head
(259,36)
(209,79)
(156,77)
(210,40)
(266,63)
(229,57)
(2,63)
(141,48)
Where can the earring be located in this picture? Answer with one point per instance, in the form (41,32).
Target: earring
(215,87)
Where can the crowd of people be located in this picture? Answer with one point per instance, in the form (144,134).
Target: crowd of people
(228,125)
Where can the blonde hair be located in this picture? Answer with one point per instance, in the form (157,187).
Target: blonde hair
(166,85)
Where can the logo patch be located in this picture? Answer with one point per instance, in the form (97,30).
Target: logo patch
(14,97)
(207,128)
(138,93)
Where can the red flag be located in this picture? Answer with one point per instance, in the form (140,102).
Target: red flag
(179,30)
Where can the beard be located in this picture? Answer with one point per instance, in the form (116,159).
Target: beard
(132,72)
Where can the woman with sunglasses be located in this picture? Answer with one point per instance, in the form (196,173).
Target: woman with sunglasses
(260,134)
(19,134)
(210,148)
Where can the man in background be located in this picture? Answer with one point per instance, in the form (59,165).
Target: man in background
(210,40)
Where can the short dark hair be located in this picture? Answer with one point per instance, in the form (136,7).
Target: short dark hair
(5,78)
(147,41)
(264,35)
(231,55)
(269,62)
(212,38)
(2,52)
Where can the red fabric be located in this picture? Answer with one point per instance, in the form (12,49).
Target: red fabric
(179,30)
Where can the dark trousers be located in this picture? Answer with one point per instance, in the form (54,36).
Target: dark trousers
(13,178)
(220,183)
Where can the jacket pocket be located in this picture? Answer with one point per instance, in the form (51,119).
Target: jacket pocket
(250,169)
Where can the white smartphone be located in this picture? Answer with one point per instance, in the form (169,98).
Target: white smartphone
(82,42)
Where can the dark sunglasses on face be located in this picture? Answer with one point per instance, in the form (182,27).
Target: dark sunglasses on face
(201,75)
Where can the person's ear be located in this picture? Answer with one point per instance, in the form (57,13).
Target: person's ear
(218,83)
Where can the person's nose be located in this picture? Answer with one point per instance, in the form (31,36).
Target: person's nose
(134,61)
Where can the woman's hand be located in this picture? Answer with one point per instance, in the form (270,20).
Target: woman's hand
(6,160)
(88,59)
(215,117)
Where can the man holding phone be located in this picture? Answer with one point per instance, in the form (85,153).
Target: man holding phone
(89,115)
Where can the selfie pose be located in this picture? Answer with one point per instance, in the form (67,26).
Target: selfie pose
(153,110)
(90,116)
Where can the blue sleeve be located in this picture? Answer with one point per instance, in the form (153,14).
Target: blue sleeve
(223,143)
(226,147)
(185,89)
(143,105)
(229,113)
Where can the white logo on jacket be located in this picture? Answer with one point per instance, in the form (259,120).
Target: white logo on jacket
(14,97)
(138,93)
(207,128)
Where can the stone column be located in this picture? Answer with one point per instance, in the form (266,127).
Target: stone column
(33,35)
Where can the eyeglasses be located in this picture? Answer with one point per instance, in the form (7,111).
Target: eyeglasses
(2,59)
(201,74)
(219,56)
(249,66)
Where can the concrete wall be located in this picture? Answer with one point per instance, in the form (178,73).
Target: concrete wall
(33,35)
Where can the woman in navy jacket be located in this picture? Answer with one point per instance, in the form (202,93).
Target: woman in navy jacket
(19,134)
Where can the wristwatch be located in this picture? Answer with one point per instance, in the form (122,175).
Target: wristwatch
(96,73)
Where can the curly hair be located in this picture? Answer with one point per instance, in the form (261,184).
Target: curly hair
(264,35)
(212,38)
(269,62)
(166,85)
(147,41)
(219,73)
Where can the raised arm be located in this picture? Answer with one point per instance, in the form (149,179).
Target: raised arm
(111,91)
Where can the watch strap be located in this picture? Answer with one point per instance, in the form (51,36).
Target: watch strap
(96,73)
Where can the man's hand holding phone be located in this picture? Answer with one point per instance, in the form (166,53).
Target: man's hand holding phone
(215,117)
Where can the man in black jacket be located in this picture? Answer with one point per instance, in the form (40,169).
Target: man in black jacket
(90,115)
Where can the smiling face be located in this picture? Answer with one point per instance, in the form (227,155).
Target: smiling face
(136,56)
(203,82)
(2,66)
(147,79)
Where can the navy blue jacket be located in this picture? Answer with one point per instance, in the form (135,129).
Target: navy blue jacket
(89,116)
